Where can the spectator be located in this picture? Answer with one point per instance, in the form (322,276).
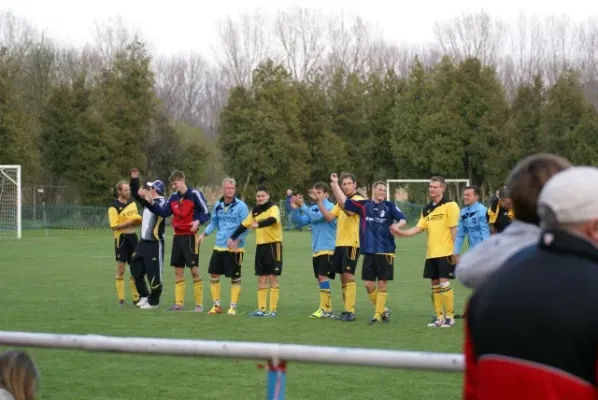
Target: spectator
(524,185)
(19,378)
(548,347)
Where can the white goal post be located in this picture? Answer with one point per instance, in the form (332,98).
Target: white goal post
(10,201)
(407,181)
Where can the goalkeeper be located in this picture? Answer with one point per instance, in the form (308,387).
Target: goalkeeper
(123,218)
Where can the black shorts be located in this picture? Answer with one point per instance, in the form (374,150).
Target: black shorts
(185,251)
(268,259)
(226,263)
(148,257)
(323,265)
(378,267)
(441,267)
(124,247)
(345,259)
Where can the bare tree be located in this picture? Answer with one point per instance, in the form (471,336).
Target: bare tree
(559,53)
(112,37)
(472,35)
(588,50)
(17,35)
(351,44)
(181,84)
(301,35)
(243,45)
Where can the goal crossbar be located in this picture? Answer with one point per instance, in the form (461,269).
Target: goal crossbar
(273,352)
(389,181)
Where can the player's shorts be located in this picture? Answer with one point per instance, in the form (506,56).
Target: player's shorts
(226,263)
(378,267)
(440,267)
(345,259)
(323,265)
(185,251)
(124,247)
(148,258)
(268,259)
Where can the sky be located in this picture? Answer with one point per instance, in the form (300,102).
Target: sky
(179,26)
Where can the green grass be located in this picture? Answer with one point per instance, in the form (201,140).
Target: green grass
(64,283)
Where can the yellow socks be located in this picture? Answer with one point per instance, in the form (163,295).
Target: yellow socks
(134,291)
(350,296)
(380,303)
(215,290)
(235,292)
(344,289)
(373,296)
(325,296)
(448,299)
(179,292)
(274,295)
(262,298)
(198,291)
(437,299)
(120,288)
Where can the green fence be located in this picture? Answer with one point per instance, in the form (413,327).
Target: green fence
(70,216)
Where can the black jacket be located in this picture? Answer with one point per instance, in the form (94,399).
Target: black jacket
(532,328)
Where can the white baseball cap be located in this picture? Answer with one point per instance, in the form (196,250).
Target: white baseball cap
(570,196)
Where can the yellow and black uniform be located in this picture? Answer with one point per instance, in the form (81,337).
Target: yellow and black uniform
(125,241)
(499,217)
(346,254)
(268,252)
(437,220)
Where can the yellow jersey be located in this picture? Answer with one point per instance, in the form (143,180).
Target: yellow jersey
(437,220)
(347,229)
(122,212)
(268,215)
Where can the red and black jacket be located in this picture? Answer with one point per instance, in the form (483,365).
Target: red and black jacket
(532,330)
(184,208)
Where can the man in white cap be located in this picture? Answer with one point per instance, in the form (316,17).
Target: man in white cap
(548,347)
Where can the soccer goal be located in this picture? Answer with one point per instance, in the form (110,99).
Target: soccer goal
(10,201)
(416,190)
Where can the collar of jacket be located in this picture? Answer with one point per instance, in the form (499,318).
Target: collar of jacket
(563,242)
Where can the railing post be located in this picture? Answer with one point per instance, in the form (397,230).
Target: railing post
(277,379)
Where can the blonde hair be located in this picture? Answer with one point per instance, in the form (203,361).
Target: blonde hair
(120,184)
(19,375)
(232,181)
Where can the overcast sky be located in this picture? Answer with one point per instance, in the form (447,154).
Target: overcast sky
(174,26)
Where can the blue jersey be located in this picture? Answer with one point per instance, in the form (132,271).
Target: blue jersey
(226,218)
(473,224)
(323,233)
(374,227)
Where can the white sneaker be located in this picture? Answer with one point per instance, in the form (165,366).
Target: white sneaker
(437,323)
(448,323)
(142,301)
(147,306)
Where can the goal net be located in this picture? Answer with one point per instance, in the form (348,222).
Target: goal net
(411,195)
(10,201)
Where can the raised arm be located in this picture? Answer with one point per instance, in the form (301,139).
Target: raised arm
(163,210)
(336,190)
(300,217)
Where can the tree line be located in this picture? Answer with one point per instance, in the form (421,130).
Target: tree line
(290,97)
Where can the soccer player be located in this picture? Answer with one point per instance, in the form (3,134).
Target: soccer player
(148,258)
(229,212)
(346,251)
(500,213)
(188,209)
(473,223)
(378,218)
(265,219)
(323,235)
(439,219)
(123,217)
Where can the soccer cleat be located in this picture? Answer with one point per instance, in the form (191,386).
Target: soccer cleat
(319,313)
(257,313)
(198,308)
(176,307)
(328,314)
(232,311)
(122,303)
(342,316)
(386,316)
(449,322)
(142,301)
(350,317)
(215,310)
(374,321)
(437,323)
(148,306)
(460,316)
(270,314)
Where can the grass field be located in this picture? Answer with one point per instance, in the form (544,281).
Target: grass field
(64,283)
